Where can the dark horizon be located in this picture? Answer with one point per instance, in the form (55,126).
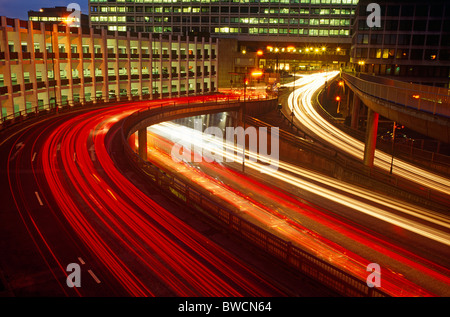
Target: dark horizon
(19,9)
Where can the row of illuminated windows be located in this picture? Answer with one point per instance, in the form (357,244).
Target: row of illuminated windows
(170,9)
(322,22)
(310,32)
(148,9)
(235,30)
(52,19)
(345,2)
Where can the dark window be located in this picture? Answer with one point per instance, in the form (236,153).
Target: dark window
(404,39)
(416,54)
(436,10)
(445,40)
(391,25)
(407,11)
(376,39)
(420,25)
(434,26)
(433,40)
(421,11)
(393,11)
(405,25)
(390,39)
(418,39)
(444,55)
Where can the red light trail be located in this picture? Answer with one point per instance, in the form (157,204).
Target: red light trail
(128,232)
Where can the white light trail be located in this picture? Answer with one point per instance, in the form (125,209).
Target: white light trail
(358,199)
(300,101)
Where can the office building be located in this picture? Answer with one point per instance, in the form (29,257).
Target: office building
(58,15)
(412,44)
(47,64)
(247,20)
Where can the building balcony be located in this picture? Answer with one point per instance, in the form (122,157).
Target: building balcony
(41,84)
(16,88)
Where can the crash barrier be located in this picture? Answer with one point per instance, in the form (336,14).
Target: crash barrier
(418,97)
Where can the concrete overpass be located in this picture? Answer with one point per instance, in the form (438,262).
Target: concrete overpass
(424,109)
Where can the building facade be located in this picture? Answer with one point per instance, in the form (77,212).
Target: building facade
(58,15)
(412,44)
(257,20)
(47,64)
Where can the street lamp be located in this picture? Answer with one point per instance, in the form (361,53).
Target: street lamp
(338,99)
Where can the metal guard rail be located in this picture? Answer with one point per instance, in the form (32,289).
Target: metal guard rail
(430,102)
(186,193)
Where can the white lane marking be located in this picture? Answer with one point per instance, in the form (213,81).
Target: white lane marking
(19,147)
(81,260)
(94,277)
(34,156)
(39,198)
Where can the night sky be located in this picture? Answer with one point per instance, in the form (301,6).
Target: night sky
(19,8)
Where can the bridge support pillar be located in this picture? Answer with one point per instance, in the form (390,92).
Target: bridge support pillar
(142,147)
(371,137)
(356,104)
(349,96)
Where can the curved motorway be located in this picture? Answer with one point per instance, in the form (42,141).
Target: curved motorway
(65,202)
(343,224)
(301,103)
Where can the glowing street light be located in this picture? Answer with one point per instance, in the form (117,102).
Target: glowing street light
(256,73)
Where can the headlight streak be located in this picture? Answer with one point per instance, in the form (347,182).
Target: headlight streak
(221,147)
(300,102)
(175,132)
